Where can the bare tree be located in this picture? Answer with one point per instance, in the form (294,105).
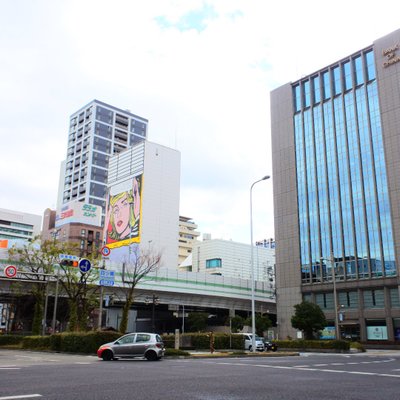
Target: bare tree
(37,262)
(140,264)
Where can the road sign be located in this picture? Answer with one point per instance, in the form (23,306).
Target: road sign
(106,282)
(105,251)
(10,271)
(107,274)
(84,265)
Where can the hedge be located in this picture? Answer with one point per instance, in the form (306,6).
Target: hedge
(10,339)
(70,342)
(201,341)
(313,344)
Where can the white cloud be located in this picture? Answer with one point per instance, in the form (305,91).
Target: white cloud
(205,91)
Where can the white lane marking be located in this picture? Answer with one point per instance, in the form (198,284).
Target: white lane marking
(311,369)
(24,396)
(83,363)
(1,368)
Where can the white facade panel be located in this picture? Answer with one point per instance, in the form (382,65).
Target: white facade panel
(155,171)
(160,207)
(235,259)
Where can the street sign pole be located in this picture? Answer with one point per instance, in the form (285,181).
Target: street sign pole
(101,307)
(53,322)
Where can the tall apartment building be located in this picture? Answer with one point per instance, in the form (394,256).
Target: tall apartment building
(187,238)
(336,165)
(96,132)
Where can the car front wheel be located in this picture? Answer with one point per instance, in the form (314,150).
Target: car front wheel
(107,355)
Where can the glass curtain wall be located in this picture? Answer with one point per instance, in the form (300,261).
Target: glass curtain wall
(343,200)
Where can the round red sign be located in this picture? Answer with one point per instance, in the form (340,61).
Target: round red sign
(10,271)
(105,251)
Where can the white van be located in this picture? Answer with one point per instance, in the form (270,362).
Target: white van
(248,344)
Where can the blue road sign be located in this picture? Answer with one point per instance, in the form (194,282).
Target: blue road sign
(107,274)
(84,265)
(106,282)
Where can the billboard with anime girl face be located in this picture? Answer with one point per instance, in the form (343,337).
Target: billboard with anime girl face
(122,223)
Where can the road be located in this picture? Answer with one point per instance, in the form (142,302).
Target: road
(364,376)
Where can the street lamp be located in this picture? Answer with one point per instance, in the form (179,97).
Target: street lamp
(253,312)
(154,300)
(335,302)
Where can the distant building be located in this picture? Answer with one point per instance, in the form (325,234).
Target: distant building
(231,259)
(187,238)
(75,222)
(143,204)
(96,132)
(17,228)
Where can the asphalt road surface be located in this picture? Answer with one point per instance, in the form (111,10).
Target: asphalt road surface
(30,375)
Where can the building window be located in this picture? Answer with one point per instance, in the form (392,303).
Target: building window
(376,329)
(307,94)
(369,57)
(297,98)
(327,85)
(374,299)
(83,232)
(394,297)
(316,87)
(325,301)
(214,263)
(337,84)
(348,299)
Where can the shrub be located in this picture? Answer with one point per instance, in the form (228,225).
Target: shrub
(36,342)
(357,346)
(71,342)
(202,341)
(6,340)
(313,344)
(174,352)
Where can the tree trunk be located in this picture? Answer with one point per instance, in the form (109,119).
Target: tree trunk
(123,326)
(73,315)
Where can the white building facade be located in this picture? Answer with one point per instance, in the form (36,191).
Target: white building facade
(145,179)
(233,259)
(17,227)
(187,237)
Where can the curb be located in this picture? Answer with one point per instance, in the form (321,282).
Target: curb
(233,355)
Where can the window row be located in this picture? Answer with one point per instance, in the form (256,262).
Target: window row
(336,80)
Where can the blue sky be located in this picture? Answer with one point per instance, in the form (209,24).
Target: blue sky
(199,71)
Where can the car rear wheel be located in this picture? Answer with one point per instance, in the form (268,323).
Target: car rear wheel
(151,356)
(107,355)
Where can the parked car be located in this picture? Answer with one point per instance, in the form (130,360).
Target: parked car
(270,346)
(248,344)
(148,345)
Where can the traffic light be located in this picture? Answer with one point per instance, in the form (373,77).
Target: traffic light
(69,263)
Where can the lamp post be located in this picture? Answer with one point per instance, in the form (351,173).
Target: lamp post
(154,300)
(335,302)
(253,312)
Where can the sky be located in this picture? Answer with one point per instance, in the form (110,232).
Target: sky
(200,71)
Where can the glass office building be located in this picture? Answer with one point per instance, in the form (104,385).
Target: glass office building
(336,143)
